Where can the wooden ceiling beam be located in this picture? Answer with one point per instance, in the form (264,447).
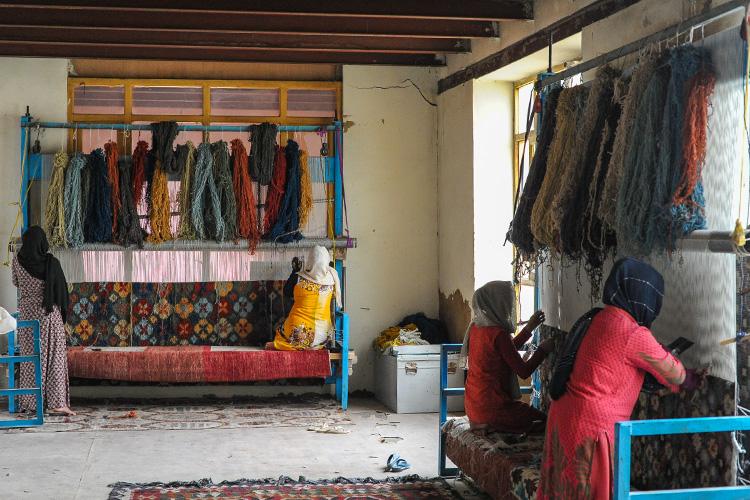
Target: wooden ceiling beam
(348,43)
(482,10)
(204,53)
(76,17)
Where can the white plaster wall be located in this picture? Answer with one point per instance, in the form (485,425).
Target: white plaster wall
(493,180)
(391,186)
(456,191)
(41,84)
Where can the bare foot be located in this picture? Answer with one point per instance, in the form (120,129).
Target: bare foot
(64,411)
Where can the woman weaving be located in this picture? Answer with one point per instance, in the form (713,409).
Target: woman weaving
(597,381)
(43,296)
(492,392)
(309,324)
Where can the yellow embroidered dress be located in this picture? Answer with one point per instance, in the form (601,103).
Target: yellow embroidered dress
(309,323)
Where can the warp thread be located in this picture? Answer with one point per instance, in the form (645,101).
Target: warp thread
(520,229)
(54,212)
(112,155)
(205,204)
(223,180)
(247,209)
(286,228)
(306,194)
(129,230)
(139,170)
(98,227)
(262,152)
(275,192)
(639,176)
(573,197)
(638,83)
(73,203)
(569,109)
(85,187)
(186,160)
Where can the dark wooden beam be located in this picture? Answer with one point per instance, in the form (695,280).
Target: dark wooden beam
(193,53)
(79,17)
(485,10)
(397,45)
(563,28)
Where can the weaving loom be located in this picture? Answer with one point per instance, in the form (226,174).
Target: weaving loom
(173,308)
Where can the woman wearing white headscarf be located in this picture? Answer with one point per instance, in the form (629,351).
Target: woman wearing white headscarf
(494,365)
(309,324)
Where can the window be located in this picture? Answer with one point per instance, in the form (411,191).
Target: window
(524,152)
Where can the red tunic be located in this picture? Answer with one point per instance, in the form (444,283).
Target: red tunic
(603,388)
(493,356)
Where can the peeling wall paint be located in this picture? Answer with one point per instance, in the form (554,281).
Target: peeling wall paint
(455,312)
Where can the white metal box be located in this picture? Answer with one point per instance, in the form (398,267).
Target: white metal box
(408,379)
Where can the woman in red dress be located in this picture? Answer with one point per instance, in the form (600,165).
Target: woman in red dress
(616,352)
(492,391)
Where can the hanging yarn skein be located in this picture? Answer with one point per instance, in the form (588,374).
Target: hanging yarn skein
(129,230)
(139,170)
(573,195)
(287,227)
(275,192)
(520,230)
(73,206)
(54,211)
(262,152)
(569,111)
(186,160)
(306,195)
(112,155)
(639,176)
(638,83)
(163,135)
(98,226)
(599,240)
(223,180)
(205,204)
(247,209)
(685,62)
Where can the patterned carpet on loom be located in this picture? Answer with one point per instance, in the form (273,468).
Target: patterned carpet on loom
(410,487)
(185,414)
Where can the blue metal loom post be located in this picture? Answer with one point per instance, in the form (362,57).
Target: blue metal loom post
(25,177)
(625,431)
(445,391)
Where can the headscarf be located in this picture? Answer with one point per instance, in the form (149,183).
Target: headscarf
(494,304)
(35,258)
(318,270)
(637,288)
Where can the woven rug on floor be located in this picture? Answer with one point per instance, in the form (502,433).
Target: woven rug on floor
(188,414)
(409,487)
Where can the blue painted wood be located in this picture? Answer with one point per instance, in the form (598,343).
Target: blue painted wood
(338,187)
(624,431)
(718,493)
(12,392)
(689,425)
(336,125)
(445,391)
(345,362)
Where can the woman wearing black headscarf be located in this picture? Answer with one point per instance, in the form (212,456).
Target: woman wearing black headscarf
(609,358)
(43,296)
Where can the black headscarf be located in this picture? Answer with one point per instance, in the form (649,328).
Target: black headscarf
(633,286)
(34,256)
(637,288)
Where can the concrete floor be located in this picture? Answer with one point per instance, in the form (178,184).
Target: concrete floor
(80,465)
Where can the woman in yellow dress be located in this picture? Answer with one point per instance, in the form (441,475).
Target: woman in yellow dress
(309,323)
